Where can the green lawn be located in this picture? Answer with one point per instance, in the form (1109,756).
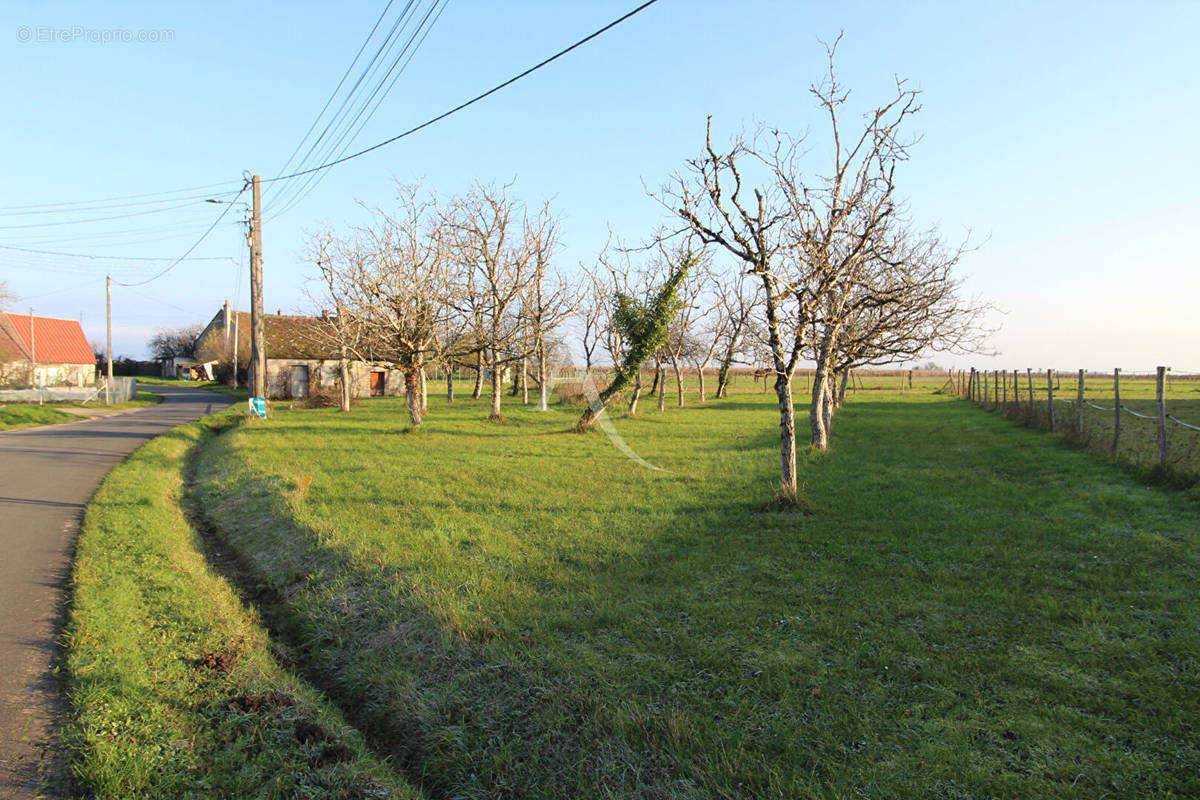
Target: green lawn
(24,415)
(973,610)
(174,689)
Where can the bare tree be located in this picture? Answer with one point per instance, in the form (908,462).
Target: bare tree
(488,245)
(736,296)
(396,277)
(6,297)
(798,236)
(681,344)
(906,301)
(174,342)
(548,301)
(337,328)
(711,197)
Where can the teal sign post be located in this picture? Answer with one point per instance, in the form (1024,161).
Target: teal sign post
(258,407)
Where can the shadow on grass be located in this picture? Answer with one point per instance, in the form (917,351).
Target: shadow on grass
(972,603)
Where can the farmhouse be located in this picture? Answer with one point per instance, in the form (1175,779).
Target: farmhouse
(301,358)
(43,351)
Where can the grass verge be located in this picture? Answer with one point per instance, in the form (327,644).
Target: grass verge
(971,609)
(25,415)
(173,687)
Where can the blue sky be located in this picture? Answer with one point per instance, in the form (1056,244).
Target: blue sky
(1058,134)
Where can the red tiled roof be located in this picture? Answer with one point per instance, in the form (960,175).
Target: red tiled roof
(55,341)
(11,348)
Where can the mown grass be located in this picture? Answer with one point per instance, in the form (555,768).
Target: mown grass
(173,687)
(1138,443)
(972,610)
(24,415)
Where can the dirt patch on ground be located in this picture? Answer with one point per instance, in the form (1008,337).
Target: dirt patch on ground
(218,662)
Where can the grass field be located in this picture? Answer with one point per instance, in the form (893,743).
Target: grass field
(973,609)
(1138,443)
(174,689)
(24,415)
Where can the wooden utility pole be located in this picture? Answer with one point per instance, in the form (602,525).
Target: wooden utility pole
(108,339)
(258,346)
(32,353)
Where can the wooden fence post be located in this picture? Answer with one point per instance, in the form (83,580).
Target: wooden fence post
(1004,406)
(1162,415)
(1029,380)
(1117,411)
(1050,396)
(1079,408)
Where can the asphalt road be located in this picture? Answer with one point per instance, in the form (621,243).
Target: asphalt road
(47,475)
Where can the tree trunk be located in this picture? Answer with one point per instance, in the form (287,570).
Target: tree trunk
(820,391)
(841,396)
(524,380)
(660,373)
(723,380)
(700,375)
(543,380)
(787,432)
(637,393)
(344,399)
(449,383)
(412,396)
(478,374)
(497,388)
(421,383)
(655,386)
(827,407)
(678,381)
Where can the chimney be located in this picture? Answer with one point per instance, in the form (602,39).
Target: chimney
(227,320)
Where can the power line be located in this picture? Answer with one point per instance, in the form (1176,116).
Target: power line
(346,108)
(337,88)
(108,258)
(423,29)
(108,207)
(95,219)
(470,102)
(120,197)
(196,244)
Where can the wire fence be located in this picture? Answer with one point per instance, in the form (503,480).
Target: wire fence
(1151,419)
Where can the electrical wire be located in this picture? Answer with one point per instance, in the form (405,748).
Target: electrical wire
(196,244)
(470,102)
(337,88)
(95,219)
(119,197)
(338,126)
(367,70)
(107,258)
(423,29)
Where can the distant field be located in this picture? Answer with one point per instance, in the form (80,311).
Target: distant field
(973,609)
(1139,436)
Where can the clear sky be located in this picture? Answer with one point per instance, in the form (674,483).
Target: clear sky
(1059,134)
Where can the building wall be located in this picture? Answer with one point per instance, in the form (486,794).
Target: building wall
(17,372)
(323,375)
